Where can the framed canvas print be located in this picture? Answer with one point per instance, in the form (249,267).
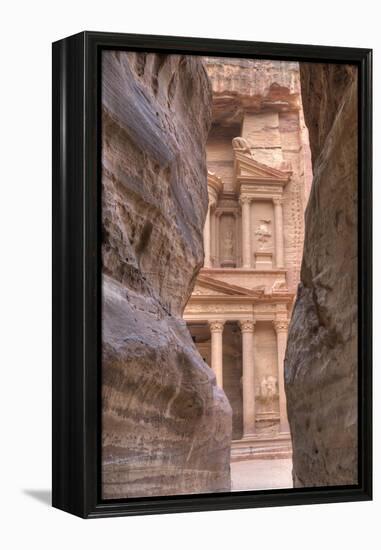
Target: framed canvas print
(211,274)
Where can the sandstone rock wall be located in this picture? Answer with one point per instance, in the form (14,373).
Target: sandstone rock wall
(166,425)
(321,359)
(241,85)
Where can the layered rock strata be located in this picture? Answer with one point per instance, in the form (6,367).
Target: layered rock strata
(321,359)
(166,425)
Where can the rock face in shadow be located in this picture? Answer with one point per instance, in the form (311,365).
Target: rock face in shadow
(166,425)
(321,358)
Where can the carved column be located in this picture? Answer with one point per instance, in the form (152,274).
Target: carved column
(279,246)
(207,256)
(248,381)
(216,329)
(236,217)
(281,328)
(213,242)
(246,232)
(217,224)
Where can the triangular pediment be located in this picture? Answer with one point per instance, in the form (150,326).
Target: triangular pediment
(208,286)
(207,290)
(247,168)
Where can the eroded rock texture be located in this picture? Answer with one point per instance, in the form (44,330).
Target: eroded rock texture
(241,85)
(321,359)
(166,425)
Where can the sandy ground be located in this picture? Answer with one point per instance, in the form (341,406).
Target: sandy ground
(261,474)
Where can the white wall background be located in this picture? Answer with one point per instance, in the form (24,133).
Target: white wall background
(27,29)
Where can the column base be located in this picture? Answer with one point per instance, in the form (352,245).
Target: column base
(249,436)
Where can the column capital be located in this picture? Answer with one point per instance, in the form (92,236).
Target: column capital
(247,325)
(280,325)
(216,326)
(244,200)
(278,201)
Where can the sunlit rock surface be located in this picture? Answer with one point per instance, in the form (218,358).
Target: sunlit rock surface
(321,359)
(166,425)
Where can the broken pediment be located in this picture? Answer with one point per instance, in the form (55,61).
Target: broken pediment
(247,169)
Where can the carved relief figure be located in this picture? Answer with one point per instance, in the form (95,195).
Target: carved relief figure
(269,388)
(263,232)
(267,391)
(279,285)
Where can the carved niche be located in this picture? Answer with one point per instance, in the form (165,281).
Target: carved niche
(263,229)
(227,240)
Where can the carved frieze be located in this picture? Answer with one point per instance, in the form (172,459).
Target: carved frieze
(231,203)
(218,308)
(264,308)
(257,190)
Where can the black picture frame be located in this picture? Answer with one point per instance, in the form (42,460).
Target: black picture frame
(76,274)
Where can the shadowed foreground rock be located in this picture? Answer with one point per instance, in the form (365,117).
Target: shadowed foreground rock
(321,359)
(166,425)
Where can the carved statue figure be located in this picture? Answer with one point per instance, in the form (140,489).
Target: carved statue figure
(268,388)
(240,144)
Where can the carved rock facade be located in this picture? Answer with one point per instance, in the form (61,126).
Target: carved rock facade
(258,182)
(321,359)
(166,424)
